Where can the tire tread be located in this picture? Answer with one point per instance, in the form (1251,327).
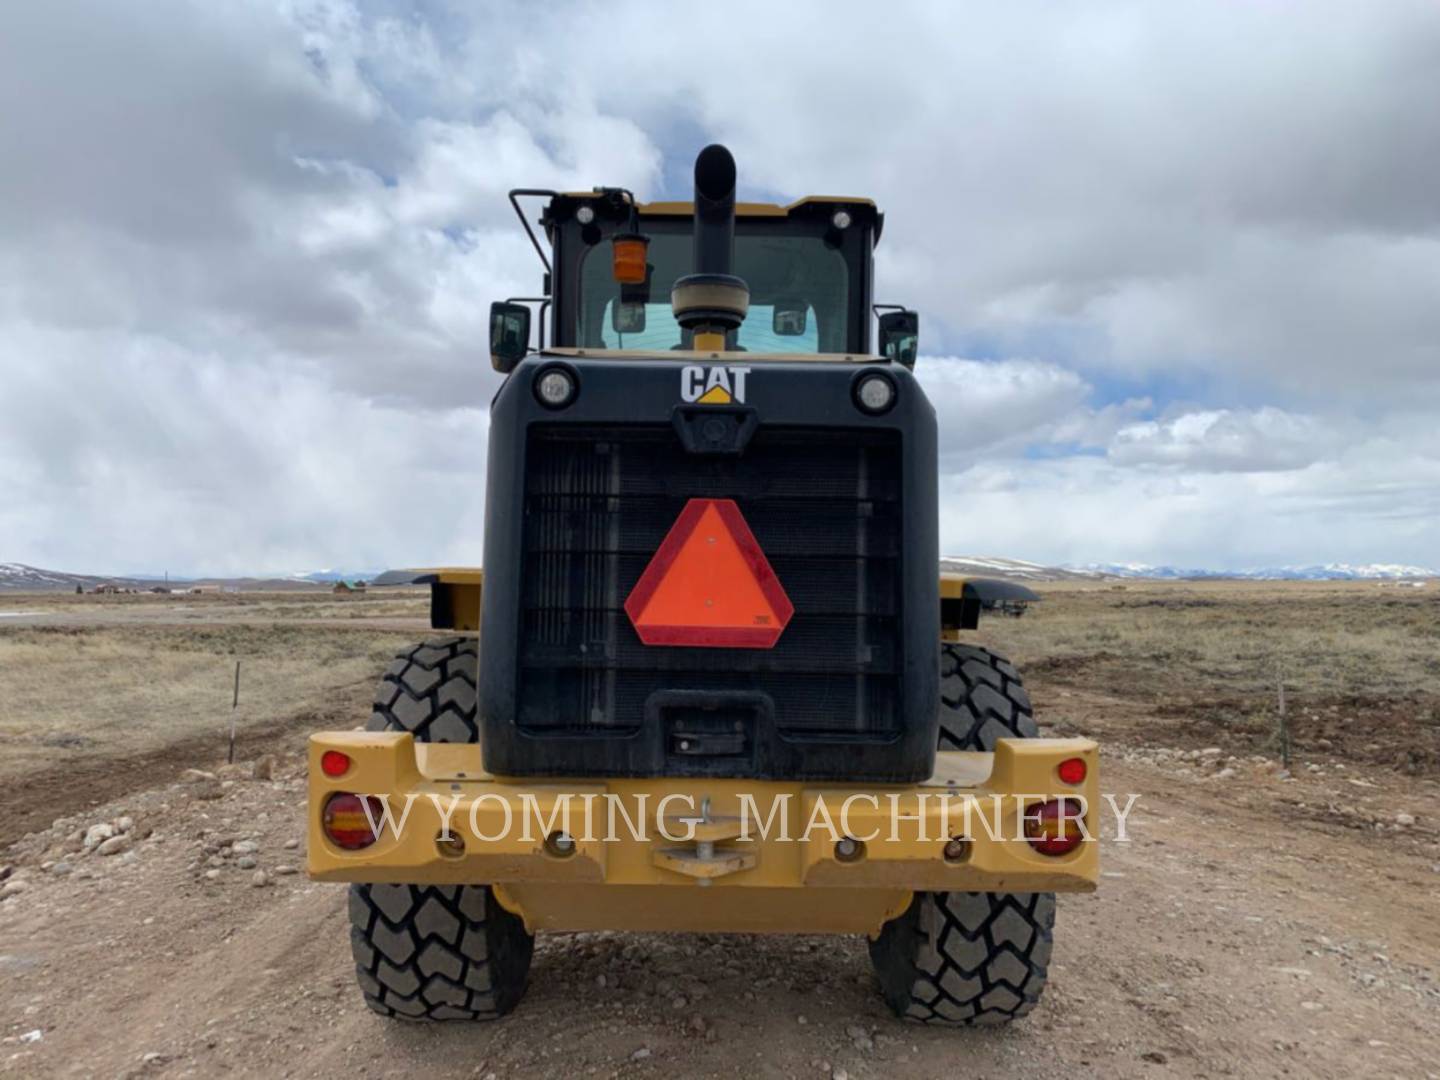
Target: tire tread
(429,691)
(959,959)
(421,954)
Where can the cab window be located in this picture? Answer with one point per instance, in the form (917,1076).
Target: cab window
(799,295)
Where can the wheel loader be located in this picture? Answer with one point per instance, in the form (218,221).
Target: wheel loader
(710,678)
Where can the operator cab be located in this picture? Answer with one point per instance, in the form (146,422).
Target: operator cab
(809,268)
(613,262)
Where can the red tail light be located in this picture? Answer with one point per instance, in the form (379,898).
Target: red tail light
(345,822)
(1071,771)
(1053,827)
(334,763)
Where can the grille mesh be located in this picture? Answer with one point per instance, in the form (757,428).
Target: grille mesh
(825,509)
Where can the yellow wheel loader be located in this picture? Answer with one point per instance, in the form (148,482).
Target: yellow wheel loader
(710,678)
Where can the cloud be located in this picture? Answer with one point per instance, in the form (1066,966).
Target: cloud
(153,457)
(1372,499)
(998,405)
(257,187)
(1225,440)
(1175,265)
(1241,193)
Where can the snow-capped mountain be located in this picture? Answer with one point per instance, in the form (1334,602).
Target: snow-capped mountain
(1324,572)
(329,577)
(1013,569)
(20,576)
(1345,572)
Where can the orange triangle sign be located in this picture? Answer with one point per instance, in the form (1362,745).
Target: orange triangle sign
(709,585)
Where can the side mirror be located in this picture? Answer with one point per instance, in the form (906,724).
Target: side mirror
(900,337)
(509,335)
(790,318)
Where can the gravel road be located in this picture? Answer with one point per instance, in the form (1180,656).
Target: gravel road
(1249,927)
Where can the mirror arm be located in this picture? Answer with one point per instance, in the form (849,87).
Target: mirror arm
(546,193)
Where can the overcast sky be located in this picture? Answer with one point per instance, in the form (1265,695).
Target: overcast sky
(1176,264)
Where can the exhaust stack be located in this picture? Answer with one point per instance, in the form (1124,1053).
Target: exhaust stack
(712,301)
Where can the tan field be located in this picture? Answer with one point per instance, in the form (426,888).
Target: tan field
(1259,921)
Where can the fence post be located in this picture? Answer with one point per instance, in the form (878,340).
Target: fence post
(234,705)
(1284,720)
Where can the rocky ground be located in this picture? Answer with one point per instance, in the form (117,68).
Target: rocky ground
(1260,920)
(1255,923)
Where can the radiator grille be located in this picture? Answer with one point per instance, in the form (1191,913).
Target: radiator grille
(825,508)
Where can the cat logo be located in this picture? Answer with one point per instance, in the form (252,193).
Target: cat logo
(713,386)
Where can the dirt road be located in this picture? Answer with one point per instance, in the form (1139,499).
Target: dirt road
(1248,928)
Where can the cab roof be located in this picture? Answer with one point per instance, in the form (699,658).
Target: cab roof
(810,203)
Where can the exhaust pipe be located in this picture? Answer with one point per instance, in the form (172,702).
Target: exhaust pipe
(712,301)
(714,210)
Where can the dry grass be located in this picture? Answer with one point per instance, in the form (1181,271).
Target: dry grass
(1196,662)
(1361,661)
(206,606)
(1333,639)
(68,694)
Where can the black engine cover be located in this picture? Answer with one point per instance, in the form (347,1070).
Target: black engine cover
(842,503)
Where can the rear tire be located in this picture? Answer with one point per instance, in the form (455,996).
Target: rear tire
(964,958)
(429,691)
(437,952)
(981,699)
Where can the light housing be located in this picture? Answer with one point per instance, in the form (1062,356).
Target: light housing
(333,763)
(585,214)
(875,392)
(841,219)
(1072,771)
(345,822)
(1053,827)
(556,386)
(629,251)
(849,850)
(560,845)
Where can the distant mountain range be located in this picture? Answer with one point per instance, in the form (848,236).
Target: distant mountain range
(329,577)
(1323,572)
(1013,569)
(18,576)
(1027,571)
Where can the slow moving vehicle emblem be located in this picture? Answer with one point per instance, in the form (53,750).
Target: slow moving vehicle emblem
(710,585)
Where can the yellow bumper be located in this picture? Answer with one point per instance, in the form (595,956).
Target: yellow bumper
(700,854)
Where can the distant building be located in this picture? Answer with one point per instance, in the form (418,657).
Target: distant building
(343,588)
(107,589)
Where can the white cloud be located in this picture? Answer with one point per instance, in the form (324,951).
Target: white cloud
(153,457)
(1226,440)
(1371,500)
(247,252)
(998,405)
(1234,191)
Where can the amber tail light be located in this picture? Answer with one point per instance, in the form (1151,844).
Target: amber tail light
(345,822)
(1053,827)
